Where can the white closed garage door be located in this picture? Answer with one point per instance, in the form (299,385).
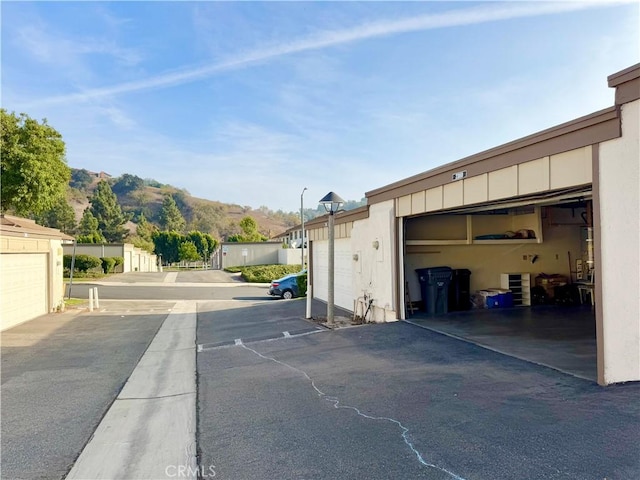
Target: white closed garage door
(343,272)
(23,287)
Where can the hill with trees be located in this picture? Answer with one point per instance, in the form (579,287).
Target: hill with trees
(96,207)
(172,208)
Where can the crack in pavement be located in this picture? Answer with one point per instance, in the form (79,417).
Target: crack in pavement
(336,404)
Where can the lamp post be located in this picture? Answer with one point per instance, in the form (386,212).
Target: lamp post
(331,202)
(302,223)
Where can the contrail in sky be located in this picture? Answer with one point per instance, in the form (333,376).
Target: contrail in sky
(332,38)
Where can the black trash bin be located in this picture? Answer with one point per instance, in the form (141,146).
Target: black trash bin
(459,294)
(434,287)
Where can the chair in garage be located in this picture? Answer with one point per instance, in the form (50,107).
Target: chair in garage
(587,287)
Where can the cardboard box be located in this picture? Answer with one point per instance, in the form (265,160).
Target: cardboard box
(549,282)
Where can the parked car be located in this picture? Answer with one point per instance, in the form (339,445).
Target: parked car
(286,287)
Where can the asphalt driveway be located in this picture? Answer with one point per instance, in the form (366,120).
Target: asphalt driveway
(60,374)
(398,401)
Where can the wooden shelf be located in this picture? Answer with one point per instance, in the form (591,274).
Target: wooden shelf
(462,229)
(436,242)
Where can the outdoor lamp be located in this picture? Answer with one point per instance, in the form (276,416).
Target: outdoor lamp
(302,225)
(331,202)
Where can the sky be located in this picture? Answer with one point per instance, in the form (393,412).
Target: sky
(251,102)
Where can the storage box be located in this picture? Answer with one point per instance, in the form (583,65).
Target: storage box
(493,298)
(504,298)
(549,282)
(489,298)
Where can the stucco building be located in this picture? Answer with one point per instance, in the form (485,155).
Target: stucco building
(31,270)
(571,191)
(135,259)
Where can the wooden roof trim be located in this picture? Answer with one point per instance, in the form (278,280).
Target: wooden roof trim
(624,76)
(12,226)
(359,213)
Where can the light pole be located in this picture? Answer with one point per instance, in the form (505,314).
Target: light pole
(302,223)
(331,202)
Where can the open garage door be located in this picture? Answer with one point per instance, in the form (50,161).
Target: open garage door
(525,258)
(24,287)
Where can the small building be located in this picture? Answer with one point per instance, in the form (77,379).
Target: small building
(239,254)
(565,201)
(135,259)
(292,237)
(31,270)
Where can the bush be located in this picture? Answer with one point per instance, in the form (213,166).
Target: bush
(264,273)
(302,285)
(83,263)
(108,264)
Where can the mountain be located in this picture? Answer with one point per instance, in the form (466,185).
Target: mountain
(138,196)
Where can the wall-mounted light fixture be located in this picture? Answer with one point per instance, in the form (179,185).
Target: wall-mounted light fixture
(375,244)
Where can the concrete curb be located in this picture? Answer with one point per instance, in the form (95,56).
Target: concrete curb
(150,429)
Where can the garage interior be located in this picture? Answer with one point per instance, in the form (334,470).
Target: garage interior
(530,291)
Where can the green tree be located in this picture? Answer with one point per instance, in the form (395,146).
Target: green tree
(250,232)
(144,229)
(105,207)
(170,216)
(89,230)
(33,167)
(212,244)
(142,243)
(167,244)
(80,179)
(127,184)
(188,252)
(61,216)
(200,242)
(205,243)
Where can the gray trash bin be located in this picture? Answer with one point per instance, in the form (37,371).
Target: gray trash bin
(459,294)
(434,287)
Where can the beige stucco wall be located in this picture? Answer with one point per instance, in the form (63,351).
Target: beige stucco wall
(291,256)
(135,259)
(263,253)
(619,186)
(342,273)
(51,276)
(56,285)
(373,271)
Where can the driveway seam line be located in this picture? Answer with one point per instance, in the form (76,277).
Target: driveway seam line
(336,404)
